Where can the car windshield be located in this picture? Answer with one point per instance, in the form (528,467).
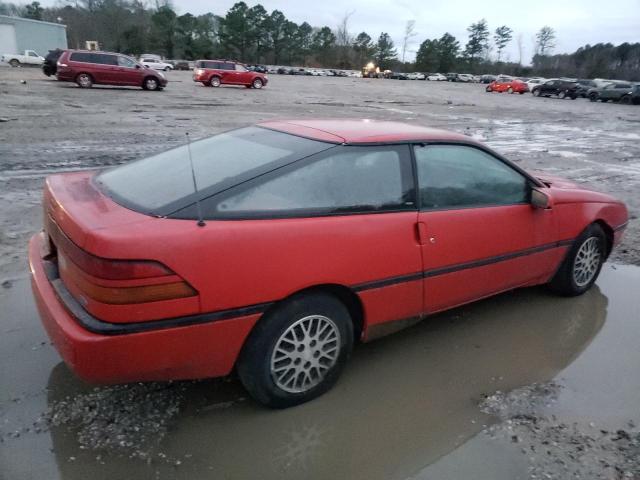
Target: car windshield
(163,183)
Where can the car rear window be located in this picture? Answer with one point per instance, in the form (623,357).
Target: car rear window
(163,183)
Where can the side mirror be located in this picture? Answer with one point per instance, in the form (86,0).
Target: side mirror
(540,199)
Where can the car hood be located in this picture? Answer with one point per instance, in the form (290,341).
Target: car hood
(567,191)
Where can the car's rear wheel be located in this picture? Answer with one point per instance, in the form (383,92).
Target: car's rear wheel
(583,263)
(536,93)
(593,97)
(297,351)
(214,81)
(562,94)
(604,100)
(489,89)
(14,62)
(509,90)
(84,80)
(626,100)
(257,83)
(150,83)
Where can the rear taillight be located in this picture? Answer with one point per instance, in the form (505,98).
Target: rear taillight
(114,294)
(112,281)
(101,267)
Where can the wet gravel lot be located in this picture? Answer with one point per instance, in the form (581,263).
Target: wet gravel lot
(524,385)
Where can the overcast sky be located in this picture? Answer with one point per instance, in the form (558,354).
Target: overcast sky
(576,22)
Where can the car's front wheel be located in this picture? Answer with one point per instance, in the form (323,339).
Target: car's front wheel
(297,351)
(150,83)
(536,93)
(562,94)
(257,83)
(626,100)
(583,263)
(509,90)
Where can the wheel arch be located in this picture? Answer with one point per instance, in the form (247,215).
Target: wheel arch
(608,232)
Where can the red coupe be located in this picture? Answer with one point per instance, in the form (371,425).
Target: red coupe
(507,84)
(272,249)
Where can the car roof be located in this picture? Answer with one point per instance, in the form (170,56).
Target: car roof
(362,131)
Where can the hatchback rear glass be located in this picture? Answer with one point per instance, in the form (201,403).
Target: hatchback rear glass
(163,183)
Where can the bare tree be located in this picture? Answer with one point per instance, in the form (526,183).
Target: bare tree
(520,48)
(409,33)
(545,40)
(343,38)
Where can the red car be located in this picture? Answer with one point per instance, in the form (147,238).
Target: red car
(507,84)
(214,73)
(88,68)
(290,242)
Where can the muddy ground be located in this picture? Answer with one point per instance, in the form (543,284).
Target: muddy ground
(523,385)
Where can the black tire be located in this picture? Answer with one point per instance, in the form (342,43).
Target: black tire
(562,94)
(257,83)
(573,97)
(14,62)
(215,81)
(151,83)
(593,97)
(489,89)
(566,281)
(536,92)
(626,100)
(84,80)
(166,69)
(254,365)
(604,100)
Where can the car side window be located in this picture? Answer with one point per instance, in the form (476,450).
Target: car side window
(33,54)
(345,179)
(126,62)
(240,68)
(458,176)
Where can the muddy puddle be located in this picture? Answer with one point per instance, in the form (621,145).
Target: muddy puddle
(419,404)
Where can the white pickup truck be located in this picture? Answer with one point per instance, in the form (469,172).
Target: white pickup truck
(30,57)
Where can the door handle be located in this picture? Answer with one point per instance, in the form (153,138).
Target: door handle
(421,233)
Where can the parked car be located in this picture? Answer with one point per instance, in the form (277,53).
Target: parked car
(632,97)
(139,276)
(181,65)
(283,71)
(156,64)
(30,57)
(487,78)
(50,66)
(534,82)
(299,71)
(584,85)
(509,85)
(257,68)
(611,91)
(452,77)
(436,77)
(397,76)
(560,88)
(415,76)
(88,68)
(213,73)
(465,78)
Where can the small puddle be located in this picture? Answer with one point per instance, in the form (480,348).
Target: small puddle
(407,406)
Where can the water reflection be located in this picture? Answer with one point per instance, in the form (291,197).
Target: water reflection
(403,402)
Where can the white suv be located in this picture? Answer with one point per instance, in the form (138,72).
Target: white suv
(156,64)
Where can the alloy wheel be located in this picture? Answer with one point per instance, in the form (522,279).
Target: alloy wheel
(305,353)
(587,261)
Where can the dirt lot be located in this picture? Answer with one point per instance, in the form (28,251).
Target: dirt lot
(523,385)
(55,127)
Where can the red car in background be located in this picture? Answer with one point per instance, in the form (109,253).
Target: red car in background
(88,68)
(507,84)
(272,249)
(214,73)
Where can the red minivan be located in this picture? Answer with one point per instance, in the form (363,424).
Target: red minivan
(214,73)
(88,68)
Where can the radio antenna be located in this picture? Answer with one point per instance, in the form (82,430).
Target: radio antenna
(195,184)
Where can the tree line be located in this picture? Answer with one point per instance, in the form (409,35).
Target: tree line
(254,35)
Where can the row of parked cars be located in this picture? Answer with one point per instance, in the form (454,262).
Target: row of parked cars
(598,89)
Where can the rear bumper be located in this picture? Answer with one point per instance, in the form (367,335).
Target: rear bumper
(165,353)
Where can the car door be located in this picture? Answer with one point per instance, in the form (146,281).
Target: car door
(129,71)
(242,75)
(345,216)
(478,231)
(103,68)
